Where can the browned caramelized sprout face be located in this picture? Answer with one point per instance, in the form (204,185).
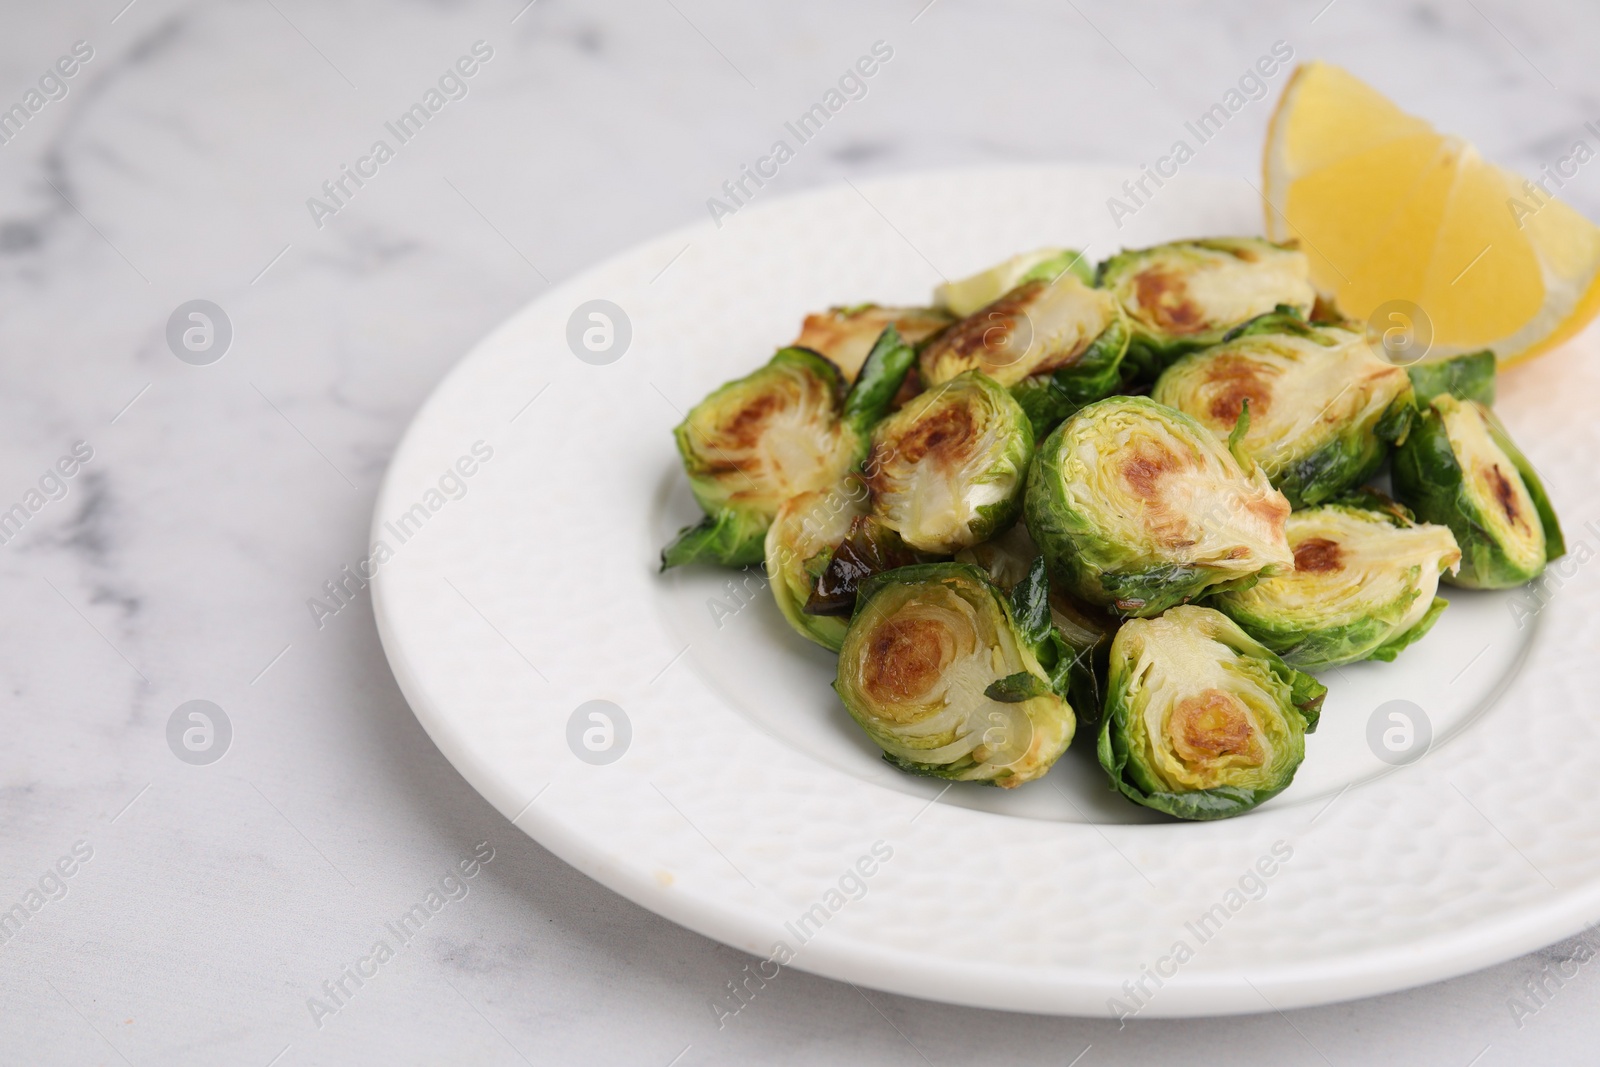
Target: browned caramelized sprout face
(1362,586)
(1186,295)
(790,427)
(1460,469)
(943,676)
(1201,721)
(1324,407)
(1056,343)
(1039,327)
(1138,507)
(948,470)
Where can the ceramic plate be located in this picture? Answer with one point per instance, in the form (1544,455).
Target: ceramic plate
(672,738)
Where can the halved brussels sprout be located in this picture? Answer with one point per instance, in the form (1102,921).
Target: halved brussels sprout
(868,548)
(845,335)
(821,547)
(948,469)
(1138,507)
(1468,377)
(1057,345)
(1201,721)
(786,429)
(944,673)
(1185,295)
(799,547)
(1362,587)
(1324,407)
(962,298)
(1459,469)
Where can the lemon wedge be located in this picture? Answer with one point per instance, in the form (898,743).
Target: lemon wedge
(1388,209)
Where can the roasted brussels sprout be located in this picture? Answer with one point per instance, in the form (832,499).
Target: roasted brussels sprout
(962,298)
(1362,587)
(1324,407)
(1459,469)
(808,530)
(1187,294)
(1201,721)
(944,672)
(821,547)
(1056,344)
(845,335)
(948,469)
(1138,507)
(786,429)
(1468,377)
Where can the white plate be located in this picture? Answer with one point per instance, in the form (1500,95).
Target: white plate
(744,798)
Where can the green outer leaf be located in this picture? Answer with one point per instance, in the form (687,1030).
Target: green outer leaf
(1071,661)
(1394,425)
(1335,468)
(1030,606)
(1241,426)
(880,378)
(1428,477)
(1080,669)
(1150,592)
(825,630)
(1367,498)
(731,538)
(1116,756)
(951,772)
(1394,646)
(1468,377)
(1315,649)
(1096,374)
(1146,359)
(1310,649)
(1307,694)
(1281,319)
(1015,688)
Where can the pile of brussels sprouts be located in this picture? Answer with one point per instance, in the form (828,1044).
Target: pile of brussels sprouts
(1135,496)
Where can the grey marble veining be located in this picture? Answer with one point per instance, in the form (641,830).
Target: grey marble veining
(217,899)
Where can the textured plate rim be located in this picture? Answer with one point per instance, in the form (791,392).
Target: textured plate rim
(1365,973)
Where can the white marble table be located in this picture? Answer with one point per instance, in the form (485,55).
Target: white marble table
(216,899)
